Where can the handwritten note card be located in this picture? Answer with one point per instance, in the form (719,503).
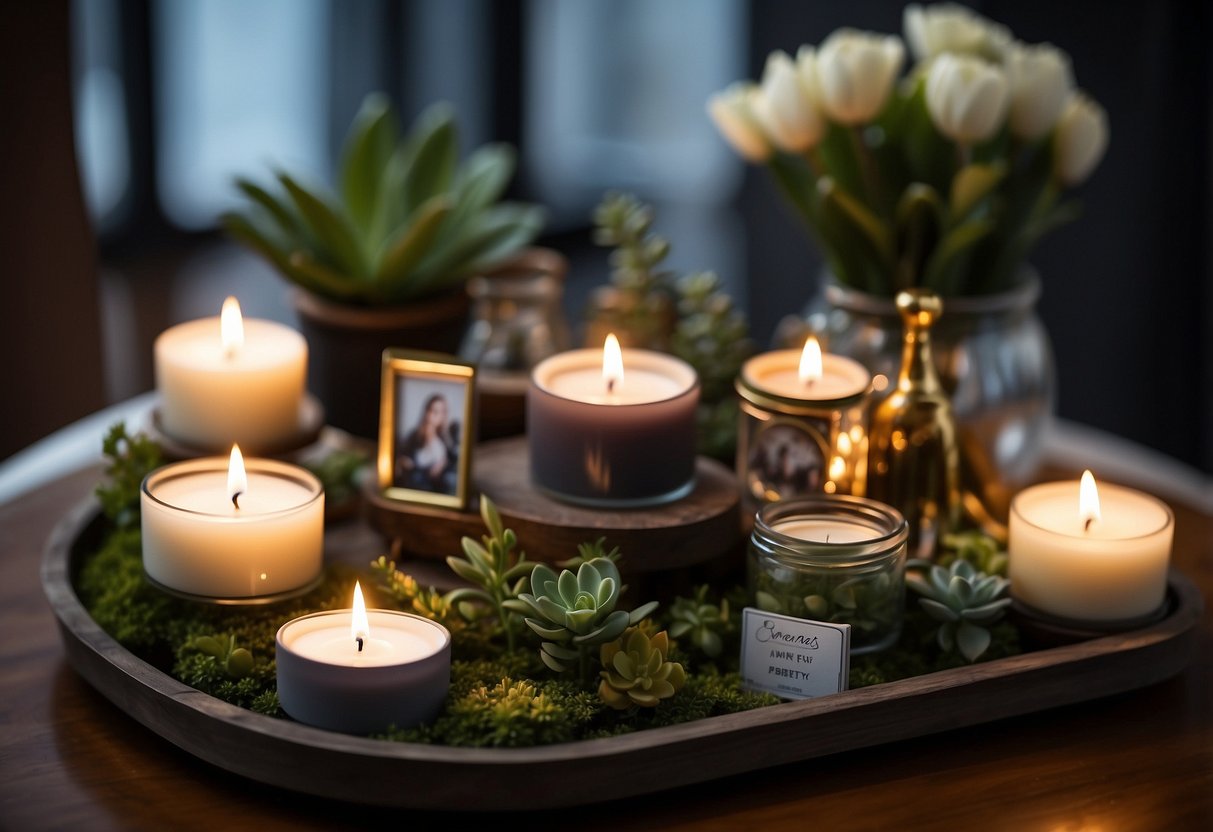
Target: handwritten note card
(791,657)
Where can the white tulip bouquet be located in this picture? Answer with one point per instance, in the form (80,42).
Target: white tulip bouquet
(944,178)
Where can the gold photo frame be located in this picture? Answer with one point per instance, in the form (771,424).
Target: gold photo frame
(427,427)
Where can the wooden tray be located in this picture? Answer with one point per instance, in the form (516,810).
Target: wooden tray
(373,772)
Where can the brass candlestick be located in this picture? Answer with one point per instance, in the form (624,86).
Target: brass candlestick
(913,463)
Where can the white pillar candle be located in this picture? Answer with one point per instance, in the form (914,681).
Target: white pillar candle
(240,383)
(613,427)
(1111,569)
(360,671)
(198,542)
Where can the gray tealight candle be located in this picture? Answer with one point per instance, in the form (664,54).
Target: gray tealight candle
(612,428)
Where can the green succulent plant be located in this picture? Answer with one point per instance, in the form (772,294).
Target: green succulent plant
(497,574)
(237,662)
(964,600)
(573,612)
(408,220)
(636,672)
(978,548)
(703,622)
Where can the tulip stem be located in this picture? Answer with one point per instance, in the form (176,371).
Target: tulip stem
(964,155)
(867,169)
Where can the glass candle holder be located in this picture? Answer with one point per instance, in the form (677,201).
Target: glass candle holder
(798,438)
(834,558)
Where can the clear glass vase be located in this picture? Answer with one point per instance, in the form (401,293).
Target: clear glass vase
(994,359)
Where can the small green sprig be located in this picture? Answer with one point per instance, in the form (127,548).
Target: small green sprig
(409,595)
(338,473)
(497,575)
(236,662)
(690,316)
(705,623)
(130,460)
(587,552)
(982,551)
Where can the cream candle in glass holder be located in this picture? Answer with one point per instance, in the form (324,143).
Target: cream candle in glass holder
(359,671)
(1087,553)
(803,424)
(217,530)
(832,557)
(612,427)
(227,380)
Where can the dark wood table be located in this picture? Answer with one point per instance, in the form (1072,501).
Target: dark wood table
(1136,761)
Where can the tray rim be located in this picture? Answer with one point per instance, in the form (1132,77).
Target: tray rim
(410,775)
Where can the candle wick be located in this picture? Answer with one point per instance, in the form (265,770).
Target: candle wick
(236,499)
(359,640)
(827,537)
(610,385)
(1086,526)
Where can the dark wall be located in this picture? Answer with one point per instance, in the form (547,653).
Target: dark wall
(1128,288)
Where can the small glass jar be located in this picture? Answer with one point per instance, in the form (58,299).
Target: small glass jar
(834,558)
(517,321)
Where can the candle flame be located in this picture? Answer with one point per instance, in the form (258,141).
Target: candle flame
(1088,500)
(231,327)
(237,479)
(810,361)
(360,626)
(612,363)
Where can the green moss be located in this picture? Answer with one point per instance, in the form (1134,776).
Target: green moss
(497,698)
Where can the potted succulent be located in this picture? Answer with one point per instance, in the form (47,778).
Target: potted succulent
(382,260)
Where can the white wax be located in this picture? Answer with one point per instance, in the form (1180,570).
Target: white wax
(395,639)
(205,492)
(822,530)
(647,377)
(1113,571)
(196,542)
(778,374)
(211,399)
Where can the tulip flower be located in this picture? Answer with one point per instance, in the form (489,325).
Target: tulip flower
(952,28)
(785,108)
(733,112)
(1080,139)
(1041,84)
(855,74)
(967,98)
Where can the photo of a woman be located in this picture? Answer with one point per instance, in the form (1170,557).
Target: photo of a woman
(427,457)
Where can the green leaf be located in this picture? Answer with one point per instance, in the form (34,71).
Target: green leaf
(919,218)
(328,282)
(971,184)
(948,266)
(558,651)
(642,612)
(553,633)
(433,167)
(972,641)
(938,611)
(251,231)
(396,272)
(330,228)
(364,157)
(552,663)
(465,570)
(287,221)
